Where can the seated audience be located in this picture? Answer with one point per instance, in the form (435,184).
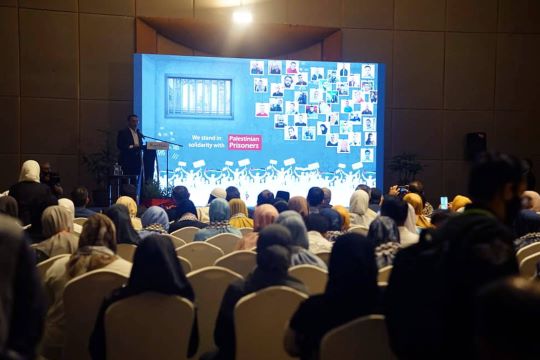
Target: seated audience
(335,223)
(131,205)
(264,215)
(417,187)
(360,213)
(531,201)
(81,200)
(299,239)
(351,292)
(232,193)
(345,217)
(239,214)
(178,194)
(300,205)
(219,213)
(397,209)
(317,226)
(8,206)
(315,198)
(459,203)
(526,228)
(422,221)
(375,200)
(202,212)
(157,269)
(32,198)
(125,233)
(154,221)
(70,207)
(364,187)
(273,261)
(281,205)
(327,198)
(188,216)
(56,223)
(265,197)
(384,235)
(97,250)
(439,217)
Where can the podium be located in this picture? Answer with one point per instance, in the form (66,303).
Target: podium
(150,157)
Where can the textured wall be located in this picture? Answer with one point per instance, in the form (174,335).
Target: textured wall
(455,66)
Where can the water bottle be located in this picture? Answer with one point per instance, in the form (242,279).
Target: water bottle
(117,169)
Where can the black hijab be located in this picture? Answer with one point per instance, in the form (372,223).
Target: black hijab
(185,206)
(125,233)
(273,253)
(382,230)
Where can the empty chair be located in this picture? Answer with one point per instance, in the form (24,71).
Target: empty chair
(82,299)
(177,242)
(313,277)
(226,242)
(43,266)
(384,274)
(241,262)
(185,264)
(160,329)
(363,338)
(209,285)
(80,220)
(264,315)
(187,234)
(527,251)
(246,230)
(126,251)
(200,254)
(325,256)
(527,267)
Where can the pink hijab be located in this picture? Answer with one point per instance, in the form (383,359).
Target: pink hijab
(263,216)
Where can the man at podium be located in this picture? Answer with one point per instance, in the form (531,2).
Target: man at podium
(129,142)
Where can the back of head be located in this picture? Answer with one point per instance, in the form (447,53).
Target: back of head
(416,201)
(29,171)
(335,221)
(119,215)
(507,314)
(460,202)
(395,208)
(382,230)
(232,193)
(364,187)
(315,196)
(439,217)
(55,219)
(281,205)
(295,224)
(79,195)
(359,202)
(327,196)
(156,268)
(527,222)
(345,216)
(263,216)
(300,205)
(68,205)
(219,210)
(129,203)
(416,187)
(98,230)
(238,206)
(186,206)
(155,215)
(180,193)
(317,222)
(376,196)
(265,197)
(9,206)
(273,253)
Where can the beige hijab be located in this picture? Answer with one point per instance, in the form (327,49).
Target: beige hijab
(132,207)
(56,223)
(360,213)
(535,200)
(29,171)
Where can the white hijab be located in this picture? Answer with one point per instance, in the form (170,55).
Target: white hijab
(410,222)
(30,171)
(70,207)
(358,208)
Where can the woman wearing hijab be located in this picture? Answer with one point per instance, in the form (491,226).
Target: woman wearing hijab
(97,250)
(8,206)
(219,213)
(273,261)
(459,203)
(32,198)
(526,228)
(415,200)
(56,223)
(281,206)
(531,200)
(155,268)
(335,223)
(361,214)
(300,205)
(188,216)
(299,239)
(155,221)
(264,215)
(132,207)
(125,233)
(70,207)
(384,235)
(345,217)
(239,214)
(351,292)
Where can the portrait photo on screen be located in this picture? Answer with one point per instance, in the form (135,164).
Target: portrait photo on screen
(354,80)
(256,67)
(315,96)
(366,155)
(373,96)
(287,81)
(358,97)
(343,89)
(355,116)
(312,109)
(291,133)
(355,139)
(332,97)
(317,73)
(370,139)
(262,109)
(370,124)
(367,108)
(300,97)
(322,128)
(309,133)
(343,147)
(345,127)
(343,69)
(346,106)
(333,118)
(331,76)
(300,79)
(276,104)
(280,121)
(276,89)
(274,67)
(368,71)
(324,107)
(292,66)
(260,85)
(291,107)
(367,86)
(300,120)
(332,140)
(324,85)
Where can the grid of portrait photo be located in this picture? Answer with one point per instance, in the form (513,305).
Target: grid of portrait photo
(332,103)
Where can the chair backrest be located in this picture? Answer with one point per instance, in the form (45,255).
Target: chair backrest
(527,251)
(324,256)
(246,230)
(313,277)
(260,321)
(363,338)
(161,328)
(80,220)
(527,267)
(126,251)
(45,265)
(176,241)
(241,262)
(362,230)
(82,299)
(200,254)
(225,241)
(209,285)
(185,264)
(187,233)
(384,274)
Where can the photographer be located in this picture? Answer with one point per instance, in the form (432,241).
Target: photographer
(51,179)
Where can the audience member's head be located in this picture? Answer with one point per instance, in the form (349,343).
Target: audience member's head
(281,205)
(283,195)
(80,197)
(327,197)
(125,233)
(294,222)
(382,230)
(364,187)
(531,200)
(416,187)
(238,206)
(155,216)
(335,221)
(265,197)
(219,210)
(416,201)
(527,222)
(376,196)
(345,216)
(318,223)
(55,219)
(395,208)
(186,207)
(9,206)
(459,203)
(300,205)
(273,253)
(129,203)
(180,193)
(507,315)
(359,202)
(217,193)
(439,217)
(232,193)
(69,206)
(263,216)
(315,196)
(30,171)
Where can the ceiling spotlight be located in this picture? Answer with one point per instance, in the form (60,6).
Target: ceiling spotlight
(242,17)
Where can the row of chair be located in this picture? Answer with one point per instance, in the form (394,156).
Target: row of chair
(528,257)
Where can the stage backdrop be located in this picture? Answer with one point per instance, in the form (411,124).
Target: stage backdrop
(263,124)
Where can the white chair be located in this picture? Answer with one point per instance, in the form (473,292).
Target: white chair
(384,274)
(187,233)
(527,267)
(200,254)
(45,265)
(226,242)
(260,321)
(149,326)
(363,338)
(209,285)
(185,264)
(241,262)
(82,299)
(313,277)
(324,256)
(359,229)
(80,220)
(246,230)
(527,251)
(177,242)
(126,251)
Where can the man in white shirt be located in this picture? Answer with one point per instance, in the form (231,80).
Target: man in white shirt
(317,225)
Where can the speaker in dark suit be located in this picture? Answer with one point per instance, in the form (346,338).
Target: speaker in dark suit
(129,142)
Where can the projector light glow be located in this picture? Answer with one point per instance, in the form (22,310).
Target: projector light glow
(242,17)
